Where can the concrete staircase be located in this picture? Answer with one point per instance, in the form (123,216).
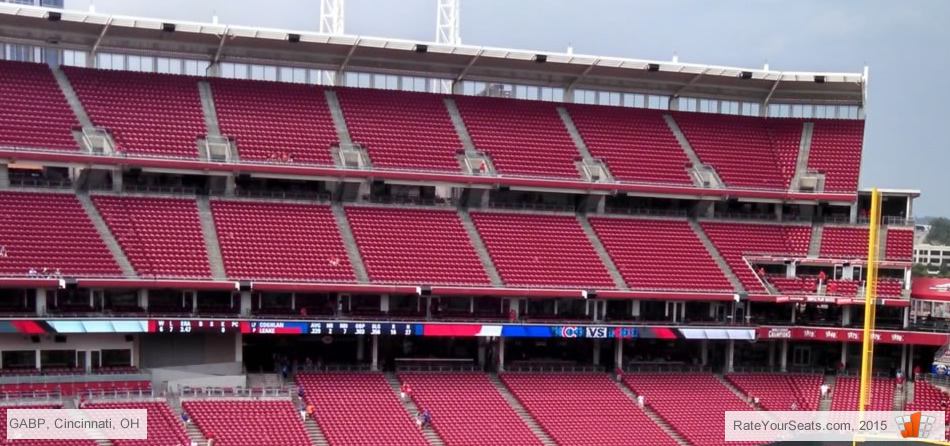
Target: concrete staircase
(430,434)
(479,245)
(210,233)
(882,244)
(654,417)
(460,126)
(72,98)
(804,151)
(735,390)
(690,153)
(575,134)
(521,411)
(909,390)
(4,176)
(602,252)
(900,397)
(711,249)
(352,249)
(191,429)
(814,245)
(310,425)
(825,404)
(107,237)
(342,131)
(207,106)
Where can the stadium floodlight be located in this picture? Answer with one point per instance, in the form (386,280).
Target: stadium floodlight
(331,17)
(54,16)
(819,79)
(447,33)
(168,27)
(540,58)
(293,38)
(745,75)
(653,67)
(420,48)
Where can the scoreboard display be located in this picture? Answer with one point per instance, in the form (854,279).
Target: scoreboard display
(193,326)
(361,328)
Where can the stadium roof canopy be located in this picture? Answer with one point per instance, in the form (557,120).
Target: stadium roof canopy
(91,32)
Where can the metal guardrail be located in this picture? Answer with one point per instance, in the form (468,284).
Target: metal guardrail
(549,368)
(658,368)
(54,379)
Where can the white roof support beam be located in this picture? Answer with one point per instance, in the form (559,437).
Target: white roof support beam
(690,83)
(224,38)
(768,98)
(570,86)
(102,35)
(349,55)
(471,63)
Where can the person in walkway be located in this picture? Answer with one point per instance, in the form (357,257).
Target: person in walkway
(821,278)
(824,391)
(31,272)
(300,391)
(900,381)
(303,412)
(185,418)
(916,372)
(794,406)
(640,401)
(310,410)
(3,251)
(58,274)
(426,419)
(82,402)
(404,391)
(619,372)
(755,401)
(419,419)
(303,311)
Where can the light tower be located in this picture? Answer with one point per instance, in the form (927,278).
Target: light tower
(331,22)
(447,32)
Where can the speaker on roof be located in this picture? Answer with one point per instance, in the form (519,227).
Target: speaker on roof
(540,58)
(653,67)
(819,79)
(293,38)
(591,294)
(60,339)
(745,75)
(244,286)
(54,16)
(168,27)
(421,49)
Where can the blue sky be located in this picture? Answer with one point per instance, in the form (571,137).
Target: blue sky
(905,44)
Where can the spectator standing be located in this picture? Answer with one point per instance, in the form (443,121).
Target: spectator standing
(640,401)
(426,418)
(794,406)
(824,391)
(300,391)
(3,251)
(185,418)
(310,410)
(303,412)
(916,372)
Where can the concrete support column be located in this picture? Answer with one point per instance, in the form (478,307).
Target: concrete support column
(846,316)
(794,314)
(238,347)
(384,303)
(904,368)
(906,317)
(482,352)
(87,363)
(246,303)
(596,352)
(844,353)
(117,179)
(40,301)
(704,352)
(501,354)
(374,353)
(778,212)
(618,353)
(783,359)
(730,355)
(39,364)
(194,301)
(4,176)
(360,347)
(143,298)
(771,354)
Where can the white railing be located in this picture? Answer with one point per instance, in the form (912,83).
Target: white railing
(97,140)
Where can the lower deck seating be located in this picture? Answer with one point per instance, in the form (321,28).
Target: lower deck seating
(359,409)
(889,287)
(585,410)
(690,404)
(900,244)
(248,423)
(465,424)
(541,250)
(928,397)
(164,427)
(22,442)
(842,287)
(844,242)
(52,231)
(847,390)
(794,285)
(284,241)
(777,392)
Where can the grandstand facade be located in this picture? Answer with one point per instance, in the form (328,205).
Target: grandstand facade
(200,217)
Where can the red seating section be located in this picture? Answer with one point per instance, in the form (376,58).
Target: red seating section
(741,148)
(776,392)
(785,135)
(148,114)
(361,409)
(848,389)
(688,403)
(928,398)
(836,152)
(33,110)
(51,231)
(248,423)
(889,288)
(541,250)
(636,144)
(164,427)
(584,410)
(844,242)
(900,245)
(735,240)
(525,138)
(401,130)
(161,236)
(415,246)
(284,241)
(465,424)
(650,254)
(22,442)
(843,287)
(272,119)
(794,285)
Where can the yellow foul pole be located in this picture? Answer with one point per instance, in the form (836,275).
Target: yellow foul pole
(870,297)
